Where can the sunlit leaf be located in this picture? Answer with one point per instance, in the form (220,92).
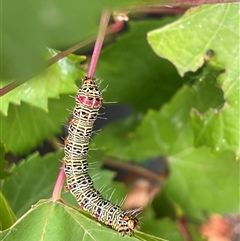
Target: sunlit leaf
(58,79)
(46,220)
(197,33)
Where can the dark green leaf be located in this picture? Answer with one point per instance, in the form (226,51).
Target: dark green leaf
(166,131)
(137,77)
(3,163)
(32,180)
(217,129)
(29,126)
(115,137)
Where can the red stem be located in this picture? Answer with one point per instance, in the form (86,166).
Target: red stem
(99,42)
(97,49)
(184,229)
(59,184)
(11,86)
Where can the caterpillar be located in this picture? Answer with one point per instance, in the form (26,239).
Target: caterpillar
(88,102)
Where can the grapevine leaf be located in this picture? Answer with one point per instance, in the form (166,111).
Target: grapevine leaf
(29,126)
(34,179)
(58,79)
(3,164)
(217,129)
(166,131)
(197,173)
(190,50)
(202,178)
(31,180)
(197,33)
(7,216)
(115,138)
(133,77)
(46,220)
(165,228)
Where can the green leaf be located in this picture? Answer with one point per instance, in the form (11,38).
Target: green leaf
(208,182)
(46,219)
(138,77)
(7,217)
(115,137)
(58,79)
(198,32)
(31,180)
(217,129)
(29,126)
(165,228)
(196,172)
(3,163)
(35,177)
(166,131)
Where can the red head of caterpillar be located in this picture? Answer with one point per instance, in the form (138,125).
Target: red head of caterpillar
(88,102)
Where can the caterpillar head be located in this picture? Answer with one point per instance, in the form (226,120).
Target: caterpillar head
(131,223)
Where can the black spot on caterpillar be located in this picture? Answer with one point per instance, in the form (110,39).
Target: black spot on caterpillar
(88,102)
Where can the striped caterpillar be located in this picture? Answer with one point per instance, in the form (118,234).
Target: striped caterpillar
(88,102)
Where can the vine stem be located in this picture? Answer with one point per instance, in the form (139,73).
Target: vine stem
(184,228)
(59,184)
(97,49)
(99,42)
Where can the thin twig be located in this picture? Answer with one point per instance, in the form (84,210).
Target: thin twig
(199,2)
(143,172)
(184,228)
(115,27)
(157,10)
(11,86)
(65,53)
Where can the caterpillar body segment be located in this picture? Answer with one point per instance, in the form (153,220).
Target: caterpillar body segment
(88,102)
